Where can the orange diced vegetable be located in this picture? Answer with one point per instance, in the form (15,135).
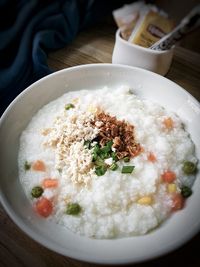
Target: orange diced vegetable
(168,122)
(168,176)
(178,202)
(151,157)
(44,207)
(48,182)
(39,165)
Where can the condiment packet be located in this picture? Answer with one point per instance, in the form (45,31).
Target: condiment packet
(126,18)
(188,24)
(152,25)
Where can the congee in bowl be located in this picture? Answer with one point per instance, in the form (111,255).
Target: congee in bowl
(106,163)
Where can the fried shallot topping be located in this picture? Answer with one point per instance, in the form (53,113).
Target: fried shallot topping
(120,132)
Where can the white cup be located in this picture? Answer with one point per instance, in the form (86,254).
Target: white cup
(134,55)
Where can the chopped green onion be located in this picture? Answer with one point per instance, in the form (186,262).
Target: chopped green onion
(73,209)
(96,149)
(27,166)
(127,169)
(104,155)
(114,167)
(189,167)
(37,191)
(94,157)
(107,147)
(114,156)
(126,159)
(95,152)
(186,191)
(69,106)
(109,143)
(99,162)
(99,154)
(101,170)
(87,144)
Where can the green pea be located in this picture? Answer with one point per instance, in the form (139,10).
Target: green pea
(186,191)
(69,106)
(189,167)
(73,209)
(37,191)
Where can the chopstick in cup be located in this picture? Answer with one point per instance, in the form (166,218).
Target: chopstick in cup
(188,24)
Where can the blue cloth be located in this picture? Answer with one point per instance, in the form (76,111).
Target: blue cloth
(29,29)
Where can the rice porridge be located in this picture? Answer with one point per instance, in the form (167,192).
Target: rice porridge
(106,164)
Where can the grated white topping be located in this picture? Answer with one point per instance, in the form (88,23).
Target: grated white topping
(67,137)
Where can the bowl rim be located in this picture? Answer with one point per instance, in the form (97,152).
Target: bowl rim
(36,236)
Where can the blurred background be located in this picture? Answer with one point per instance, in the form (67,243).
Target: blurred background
(34,32)
(177,9)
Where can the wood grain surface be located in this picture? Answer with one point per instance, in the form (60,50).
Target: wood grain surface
(95,45)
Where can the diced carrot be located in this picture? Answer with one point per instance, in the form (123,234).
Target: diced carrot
(49,182)
(151,157)
(168,122)
(168,176)
(39,165)
(141,149)
(178,202)
(44,207)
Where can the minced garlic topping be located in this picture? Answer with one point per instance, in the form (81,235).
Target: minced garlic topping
(67,137)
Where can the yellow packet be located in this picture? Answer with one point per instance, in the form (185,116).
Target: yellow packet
(126,18)
(152,26)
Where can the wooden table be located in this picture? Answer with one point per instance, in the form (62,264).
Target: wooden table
(95,45)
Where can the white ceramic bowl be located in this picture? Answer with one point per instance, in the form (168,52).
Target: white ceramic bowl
(130,54)
(170,235)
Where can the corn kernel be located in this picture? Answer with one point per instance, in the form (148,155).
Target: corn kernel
(92,109)
(171,188)
(145,200)
(75,100)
